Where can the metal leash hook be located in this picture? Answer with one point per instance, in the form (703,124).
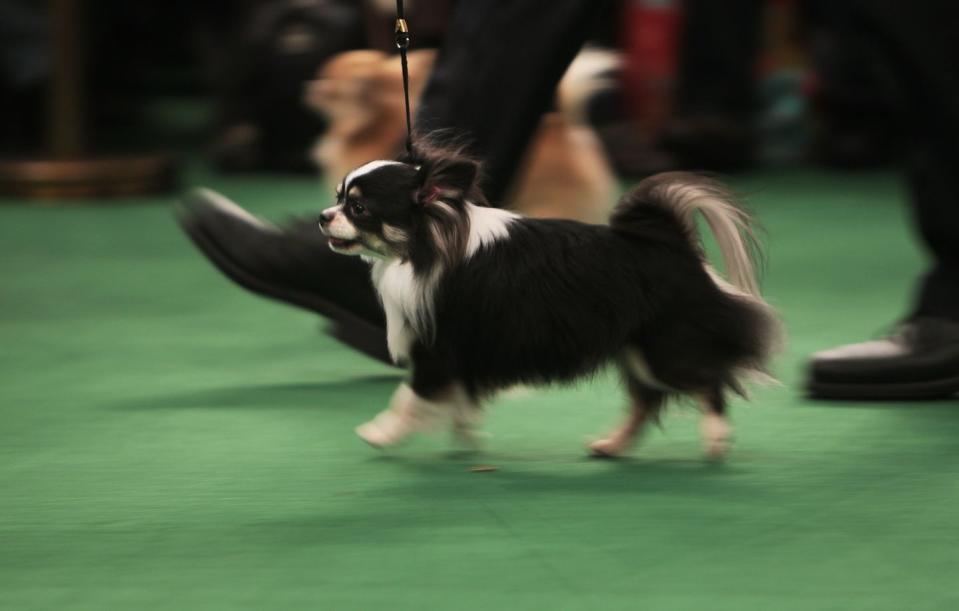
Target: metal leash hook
(402,32)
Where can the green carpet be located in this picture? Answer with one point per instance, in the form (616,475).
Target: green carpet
(169,442)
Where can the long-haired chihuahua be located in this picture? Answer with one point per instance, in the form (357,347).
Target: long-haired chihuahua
(479,299)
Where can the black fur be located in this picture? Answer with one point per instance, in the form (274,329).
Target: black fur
(557,300)
(560,299)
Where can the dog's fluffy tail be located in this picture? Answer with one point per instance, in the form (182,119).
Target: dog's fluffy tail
(685,194)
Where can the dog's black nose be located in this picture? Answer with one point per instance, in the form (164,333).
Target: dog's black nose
(326,216)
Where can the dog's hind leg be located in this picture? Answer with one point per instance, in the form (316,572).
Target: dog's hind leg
(716,431)
(644,406)
(621,439)
(467,417)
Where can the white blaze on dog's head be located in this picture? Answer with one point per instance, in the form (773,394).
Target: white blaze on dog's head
(367,168)
(428,213)
(355,225)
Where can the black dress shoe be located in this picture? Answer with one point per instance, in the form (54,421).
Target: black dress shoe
(919,361)
(293,264)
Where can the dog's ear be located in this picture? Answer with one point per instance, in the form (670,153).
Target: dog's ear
(455,177)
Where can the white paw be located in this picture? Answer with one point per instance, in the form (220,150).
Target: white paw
(717,436)
(610,447)
(407,414)
(468,437)
(378,436)
(392,426)
(467,419)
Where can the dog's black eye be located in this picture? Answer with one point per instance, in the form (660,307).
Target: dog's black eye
(357,209)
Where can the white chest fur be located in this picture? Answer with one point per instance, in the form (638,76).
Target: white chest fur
(407,301)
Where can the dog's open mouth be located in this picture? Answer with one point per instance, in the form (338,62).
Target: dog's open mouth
(343,245)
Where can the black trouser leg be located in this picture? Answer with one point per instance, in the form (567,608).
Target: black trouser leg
(922,46)
(719,48)
(715,98)
(497,73)
(934,188)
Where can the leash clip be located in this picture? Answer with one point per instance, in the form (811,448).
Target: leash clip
(402,31)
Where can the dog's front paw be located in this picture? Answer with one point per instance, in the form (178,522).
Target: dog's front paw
(375,435)
(469,438)
(389,428)
(399,421)
(467,420)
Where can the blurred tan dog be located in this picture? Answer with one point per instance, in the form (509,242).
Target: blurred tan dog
(565,175)
(361,95)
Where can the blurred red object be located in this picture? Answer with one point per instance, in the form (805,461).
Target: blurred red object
(650,40)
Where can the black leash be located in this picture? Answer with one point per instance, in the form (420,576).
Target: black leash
(402,32)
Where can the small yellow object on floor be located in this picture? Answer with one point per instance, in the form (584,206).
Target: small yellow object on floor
(482,468)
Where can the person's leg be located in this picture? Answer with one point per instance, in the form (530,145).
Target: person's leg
(494,78)
(497,75)
(720,46)
(933,95)
(922,360)
(291,264)
(716,90)
(934,187)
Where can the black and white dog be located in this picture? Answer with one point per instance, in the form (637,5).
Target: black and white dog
(478,299)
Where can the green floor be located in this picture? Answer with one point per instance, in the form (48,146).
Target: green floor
(169,442)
